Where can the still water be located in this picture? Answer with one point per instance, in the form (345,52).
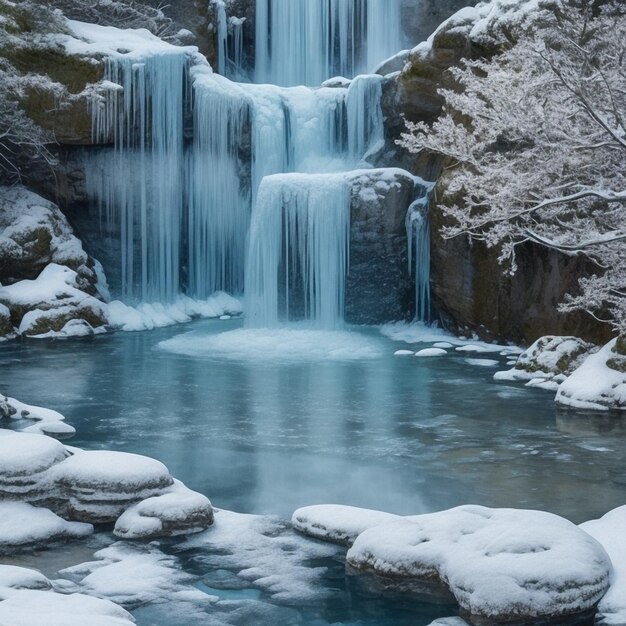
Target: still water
(266,436)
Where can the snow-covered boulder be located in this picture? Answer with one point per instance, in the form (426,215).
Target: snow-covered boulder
(25,460)
(179,511)
(337,523)
(33,234)
(100,485)
(501,565)
(43,307)
(22,524)
(549,361)
(599,383)
(15,577)
(610,532)
(97,487)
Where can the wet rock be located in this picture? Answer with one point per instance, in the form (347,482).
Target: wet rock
(379,287)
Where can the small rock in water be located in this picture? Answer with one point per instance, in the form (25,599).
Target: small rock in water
(442,344)
(403,353)
(226,317)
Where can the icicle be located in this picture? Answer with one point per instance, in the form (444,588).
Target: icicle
(306,42)
(219,208)
(365,115)
(418,236)
(140,186)
(299,246)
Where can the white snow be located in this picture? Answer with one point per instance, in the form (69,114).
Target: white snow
(93,40)
(27,454)
(280,344)
(496,562)
(47,421)
(594,385)
(483,362)
(337,523)
(431,352)
(23,524)
(181,510)
(265,552)
(22,578)
(403,353)
(26,607)
(610,532)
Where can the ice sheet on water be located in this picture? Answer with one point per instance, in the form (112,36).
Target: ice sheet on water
(279,344)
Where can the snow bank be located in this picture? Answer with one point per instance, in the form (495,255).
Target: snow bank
(280,344)
(22,524)
(597,384)
(610,532)
(500,564)
(430,352)
(337,523)
(22,578)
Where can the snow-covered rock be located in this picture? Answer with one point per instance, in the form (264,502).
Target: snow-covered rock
(15,577)
(100,485)
(25,460)
(22,524)
(549,359)
(180,511)
(43,307)
(33,234)
(500,564)
(610,532)
(47,421)
(30,607)
(430,352)
(337,523)
(599,383)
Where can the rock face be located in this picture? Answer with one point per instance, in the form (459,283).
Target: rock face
(379,287)
(501,565)
(93,487)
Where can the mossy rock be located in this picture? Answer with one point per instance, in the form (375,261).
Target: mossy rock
(56,322)
(620,346)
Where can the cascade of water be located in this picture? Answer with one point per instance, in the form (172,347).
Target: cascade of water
(365,115)
(304,42)
(298,250)
(140,186)
(219,202)
(222,36)
(418,236)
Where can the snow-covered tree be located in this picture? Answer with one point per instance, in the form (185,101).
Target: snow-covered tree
(535,146)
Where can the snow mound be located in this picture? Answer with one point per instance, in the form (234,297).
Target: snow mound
(483,362)
(22,524)
(22,578)
(609,531)
(285,344)
(549,360)
(500,564)
(26,607)
(598,384)
(431,352)
(337,523)
(181,511)
(403,353)
(48,422)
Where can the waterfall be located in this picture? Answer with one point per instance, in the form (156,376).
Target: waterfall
(139,187)
(298,250)
(305,42)
(418,237)
(219,201)
(365,115)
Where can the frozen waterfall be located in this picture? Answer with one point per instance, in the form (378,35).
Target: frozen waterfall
(418,237)
(305,42)
(298,251)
